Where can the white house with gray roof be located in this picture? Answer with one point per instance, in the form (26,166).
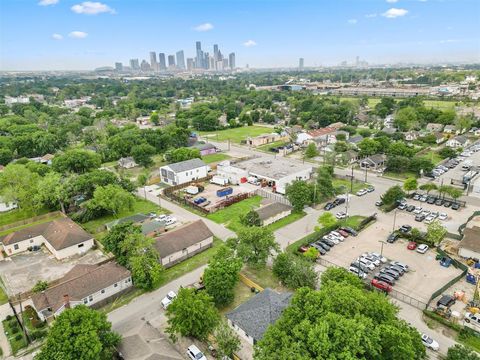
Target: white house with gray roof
(183,172)
(252,318)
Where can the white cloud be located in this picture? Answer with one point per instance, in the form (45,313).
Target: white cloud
(203,27)
(392,1)
(57,37)
(371,15)
(78,34)
(352,21)
(92,8)
(47,2)
(249,43)
(395,12)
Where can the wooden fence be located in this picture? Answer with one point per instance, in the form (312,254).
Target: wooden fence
(32,220)
(250,283)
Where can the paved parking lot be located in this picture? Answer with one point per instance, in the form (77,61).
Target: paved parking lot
(21,272)
(426,274)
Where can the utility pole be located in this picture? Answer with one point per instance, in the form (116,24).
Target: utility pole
(346,205)
(351,182)
(394,219)
(366,173)
(381,249)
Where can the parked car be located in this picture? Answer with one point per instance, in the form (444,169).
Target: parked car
(430,343)
(455,206)
(398,269)
(418,210)
(405,229)
(419,218)
(343,233)
(367,263)
(372,259)
(412,245)
(429,219)
(402,265)
(370,189)
(319,248)
(442,216)
(170,220)
(194,353)
(393,237)
(380,203)
(323,245)
(417,197)
(341,215)
(410,208)
(357,272)
(385,278)
(431,201)
(361,192)
(360,266)
(349,230)
(426,212)
(161,217)
(339,201)
(167,300)
(379,257)
(447,204)
(446,300)
(330,241)
(337,235)
(329,206)
(199,200)
(439,202)
(381,285)
(390,272)
(423,198)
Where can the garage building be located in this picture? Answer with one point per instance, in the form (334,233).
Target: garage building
(273,212)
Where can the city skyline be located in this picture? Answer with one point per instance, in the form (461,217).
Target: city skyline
(76,35)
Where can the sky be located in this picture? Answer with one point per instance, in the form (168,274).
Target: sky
(78,35)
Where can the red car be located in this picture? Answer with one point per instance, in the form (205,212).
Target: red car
(343,233)
(412,245)
(381,285)
(303,248)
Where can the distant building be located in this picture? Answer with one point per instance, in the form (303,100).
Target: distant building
(161,61)
(118,66)
(145,66)
(457,141)
(199,58)
(205,148)
(180,60)
(127,162)
(171,61)
(183,172)
(134,64)
(153,61)
(231,61)
(374,162)
(300,63)
(190,64)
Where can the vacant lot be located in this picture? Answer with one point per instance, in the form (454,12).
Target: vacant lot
(343,185)
(236,135)
(230,216)
(213,158)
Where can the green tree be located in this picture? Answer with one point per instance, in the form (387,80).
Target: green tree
(447,152)
(460,352)
(410,184)
(192,314)
(80,333)
(251,219)
(299,193)
(463,123)
(435,232)
(311,254)
(392,195)
(311,151)
(294,271)
(40,286)
(406,118)
(76,160)
(182,154)
(325,188)
(6,155)
(428,187)
(50,192)
(227,341)
(18,185)
(145,268)
(221,275)
(155,118)
(113,241)
(111,199)
(142,154)
(255,244)
(335,275)
(327,219)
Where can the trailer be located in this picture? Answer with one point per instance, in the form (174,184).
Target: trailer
(218,180)
(224,192)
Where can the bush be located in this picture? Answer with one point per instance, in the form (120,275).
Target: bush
(14,329)
(442,320)
(8,318)
(38,334)
(18,337)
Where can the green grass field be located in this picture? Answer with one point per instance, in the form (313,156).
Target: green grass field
(343,185)
(140,206)
(213,158)
(19,214)
(237,134)
(433,157)
(230,216)
(267,147)
(437,104)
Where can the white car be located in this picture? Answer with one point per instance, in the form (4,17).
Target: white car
(426,212)
(430,343)
(418,210)
(429,219)
(341,215)
(167,300)
(170,220)
(357,272)
(442,216)
(162,217)
(366,262)
(382,259)
(422,248)
(194,353)
(374,260)
(361,192)
(402,265)
(332,239)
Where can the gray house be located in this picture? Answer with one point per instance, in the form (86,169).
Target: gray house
(252,318)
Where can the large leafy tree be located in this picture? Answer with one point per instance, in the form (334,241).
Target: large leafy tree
(435,232)
(311,151)
(340,320)
(294,271)
(111,199)
(142,154)
(227,341)
(410,184)
(80,333)
(76,160)
(19,185)
(460,352)
(300,194)
(182,154)
(115,238)
(192,314)
(325,188)
(221,275)
(393,194)
(255,244)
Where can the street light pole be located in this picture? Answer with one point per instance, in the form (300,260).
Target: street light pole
(394,219)
(381,250)
(351,182)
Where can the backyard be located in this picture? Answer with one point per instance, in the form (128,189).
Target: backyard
(213,158)
(267,147)
(20,214)
(14,334)
(236,134)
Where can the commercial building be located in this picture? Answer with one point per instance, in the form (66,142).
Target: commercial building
(180,60)
(62,237)
(183,172)
(118,66)
(184,242)
(171,61)
(300,63)
(231,60)
(83,285)
(199,58)
(134,64)
(190,64)
(162,65)
(153,61)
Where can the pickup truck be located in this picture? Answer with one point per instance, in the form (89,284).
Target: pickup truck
(472,321)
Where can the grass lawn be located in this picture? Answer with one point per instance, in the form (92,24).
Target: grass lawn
(267,147)
(399,176)
(342,185)
(242,294)
(231,215)
(15,338)
(352,221)
(3,295)
(433,157)
(140,206)
(212,158)
(17,228)
(237,134)
(169,275)
(439,104)
(286,220)
(19,214)
(263,277)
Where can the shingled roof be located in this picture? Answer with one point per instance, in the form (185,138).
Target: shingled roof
(255,315)
(181,238)
(186,165)
(60,233)
(80,282)
(270,210)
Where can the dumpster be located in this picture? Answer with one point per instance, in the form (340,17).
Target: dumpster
(224,192)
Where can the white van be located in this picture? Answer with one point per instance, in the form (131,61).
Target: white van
(472,321)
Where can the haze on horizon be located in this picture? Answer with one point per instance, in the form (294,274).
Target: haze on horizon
(77,35)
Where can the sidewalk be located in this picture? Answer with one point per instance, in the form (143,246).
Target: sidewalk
(4,311)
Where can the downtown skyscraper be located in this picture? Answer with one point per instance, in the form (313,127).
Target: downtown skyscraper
(180,60)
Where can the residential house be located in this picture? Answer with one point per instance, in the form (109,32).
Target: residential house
(303,138)
(439,137)
(434,127)
(469,246)
(205,148)
(252,318)
(355,140)
(350,156)
(265,139)
(153,228)
(411,135)
(337,125)
(388,122)
(127,162)
(457,141)
(389,130)
(450,129)
(374,162)
(177,245)
(7,206)
(324,136)
(183,172)
(273,212)
(84,284)
(136,219)
(62,237)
